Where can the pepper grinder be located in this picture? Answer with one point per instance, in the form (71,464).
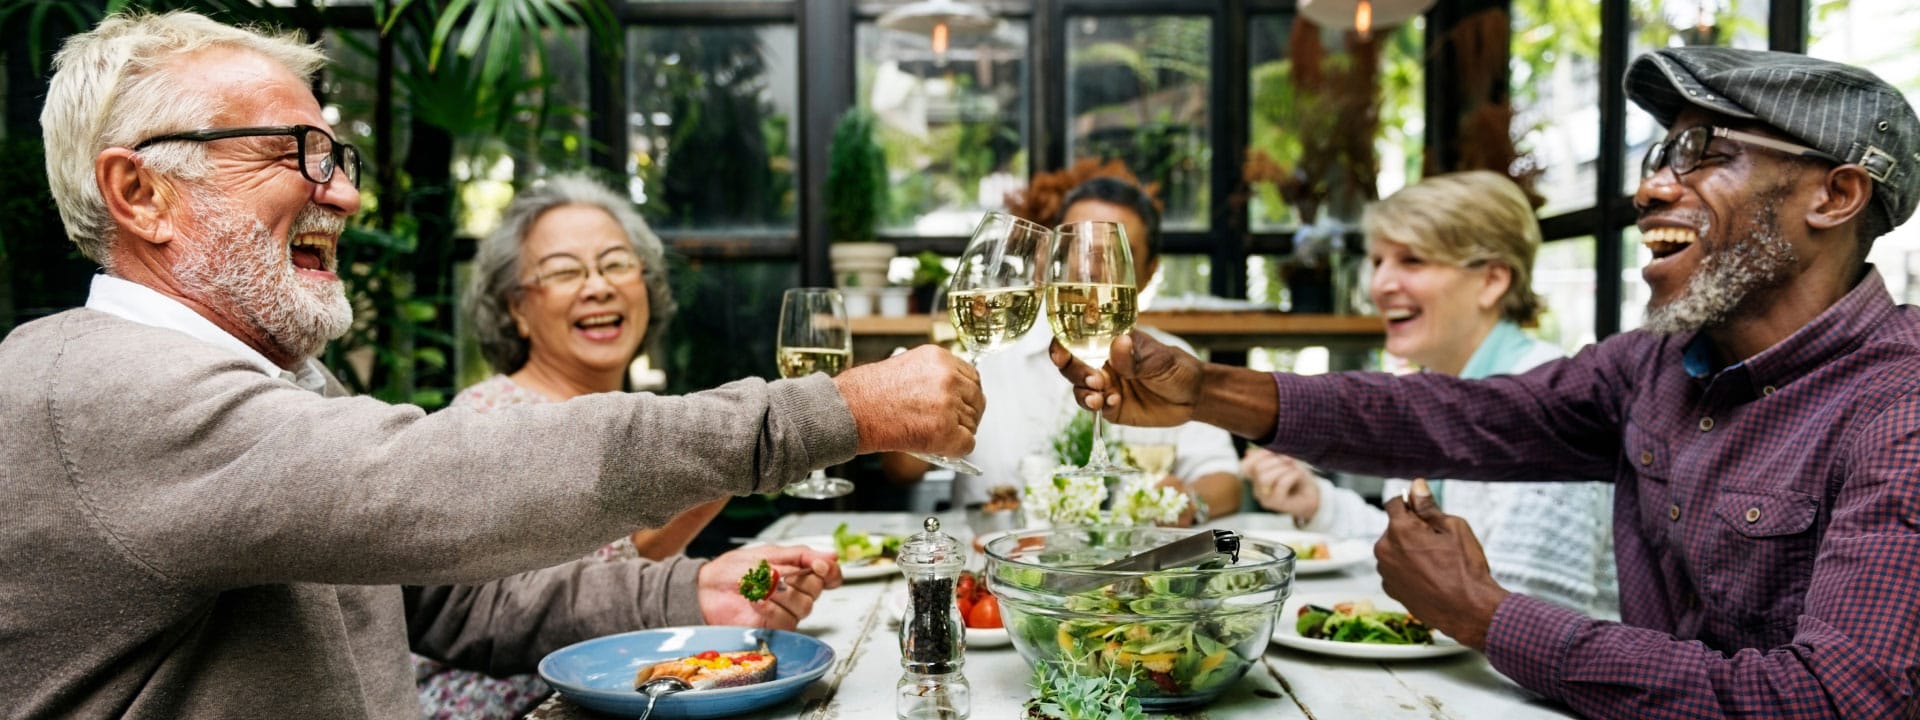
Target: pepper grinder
(932,641)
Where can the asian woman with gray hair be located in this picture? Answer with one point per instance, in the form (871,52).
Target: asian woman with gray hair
(568,290)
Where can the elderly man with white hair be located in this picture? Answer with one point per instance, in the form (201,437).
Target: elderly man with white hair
(205,526)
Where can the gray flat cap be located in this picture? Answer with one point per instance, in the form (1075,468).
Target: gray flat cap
(1843,110)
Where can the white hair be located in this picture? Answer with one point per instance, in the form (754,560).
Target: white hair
(115,86)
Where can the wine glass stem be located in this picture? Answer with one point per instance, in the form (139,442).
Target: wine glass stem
(1097,458)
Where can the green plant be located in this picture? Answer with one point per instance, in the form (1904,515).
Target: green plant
(856,192)
(1061,695)
(1074,442)
(929,270)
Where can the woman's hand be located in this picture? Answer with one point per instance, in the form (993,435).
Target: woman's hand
(1282,484)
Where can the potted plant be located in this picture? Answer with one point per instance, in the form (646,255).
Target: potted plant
(929,277)
(856,196)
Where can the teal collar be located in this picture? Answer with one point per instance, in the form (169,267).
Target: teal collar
(1497,354)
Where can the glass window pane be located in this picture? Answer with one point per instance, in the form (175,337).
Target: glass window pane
(1555,80)
(1881,37)
(712,125)
(1281,116)
(953,124)
(1563,277)
(1180,279)
(1137,91)
(348,87)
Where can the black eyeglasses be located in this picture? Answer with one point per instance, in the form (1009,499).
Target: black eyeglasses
(1683,150)
(320,154)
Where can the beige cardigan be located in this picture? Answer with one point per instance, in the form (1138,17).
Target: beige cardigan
(187,537)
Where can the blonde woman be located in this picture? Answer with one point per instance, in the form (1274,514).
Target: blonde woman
(1452,260)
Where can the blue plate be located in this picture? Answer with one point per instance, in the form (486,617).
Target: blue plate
(598,674)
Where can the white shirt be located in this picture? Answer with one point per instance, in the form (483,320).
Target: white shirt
(1028,402)
(132,301)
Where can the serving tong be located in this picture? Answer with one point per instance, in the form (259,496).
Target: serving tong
(1193,550)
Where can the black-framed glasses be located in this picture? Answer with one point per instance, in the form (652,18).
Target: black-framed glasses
(320,154)
(566,273)
(1683,150)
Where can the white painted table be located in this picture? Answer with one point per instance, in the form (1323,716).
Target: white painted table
(855,621)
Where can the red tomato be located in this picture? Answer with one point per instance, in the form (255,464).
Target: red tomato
(985,613)
(967,587)
(966,607)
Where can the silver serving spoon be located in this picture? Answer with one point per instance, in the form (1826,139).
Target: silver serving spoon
(666,685)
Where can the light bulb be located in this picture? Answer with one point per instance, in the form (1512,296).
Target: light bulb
(1363,18)
(940,43)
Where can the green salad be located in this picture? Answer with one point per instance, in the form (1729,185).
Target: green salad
(857,547)
(1126,629)
(1360,622)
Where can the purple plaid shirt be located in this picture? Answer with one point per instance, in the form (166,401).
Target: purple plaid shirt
(1766,516)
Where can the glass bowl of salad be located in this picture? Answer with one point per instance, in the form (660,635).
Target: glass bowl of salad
(1184,635)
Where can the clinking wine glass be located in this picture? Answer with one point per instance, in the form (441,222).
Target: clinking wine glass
(993,297)
(1091,300)
(814,337)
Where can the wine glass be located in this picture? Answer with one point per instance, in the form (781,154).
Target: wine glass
(814,337)
(1091,300)
(993,297)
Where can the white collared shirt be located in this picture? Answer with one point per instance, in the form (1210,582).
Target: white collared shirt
(1028,402)
(134,302)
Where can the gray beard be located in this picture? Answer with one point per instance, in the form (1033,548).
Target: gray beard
(239,269)
(1728,278)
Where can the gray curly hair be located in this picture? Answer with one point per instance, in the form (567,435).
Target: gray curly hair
(497,270)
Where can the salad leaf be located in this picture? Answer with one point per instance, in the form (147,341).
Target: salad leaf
(1359,622)
(758,583)
(858,547)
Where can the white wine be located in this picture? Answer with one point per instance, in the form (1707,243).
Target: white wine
(992,319)
(803,361)
(1154,459)
(1086,317)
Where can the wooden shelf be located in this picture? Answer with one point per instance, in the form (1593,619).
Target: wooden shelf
(1224,330)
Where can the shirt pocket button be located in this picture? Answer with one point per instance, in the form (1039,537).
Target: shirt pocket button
(1753,515)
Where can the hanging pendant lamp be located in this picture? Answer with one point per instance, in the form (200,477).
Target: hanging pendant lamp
(939,20)
(1362,16)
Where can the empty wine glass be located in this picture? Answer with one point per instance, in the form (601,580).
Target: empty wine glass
(1091,300)
(814,337)
(993,297)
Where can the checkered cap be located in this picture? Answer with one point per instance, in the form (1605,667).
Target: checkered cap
(1842,110)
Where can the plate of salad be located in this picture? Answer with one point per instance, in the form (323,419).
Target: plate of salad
(1358,625)
(1317,554)
(863,556)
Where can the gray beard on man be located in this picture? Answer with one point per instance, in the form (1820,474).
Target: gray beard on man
(1729,277)
(239,267)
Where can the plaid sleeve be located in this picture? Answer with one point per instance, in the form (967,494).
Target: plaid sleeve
(1856,646)
(1556,420)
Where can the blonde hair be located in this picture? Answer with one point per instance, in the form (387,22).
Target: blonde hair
(1465,219)
(116,85)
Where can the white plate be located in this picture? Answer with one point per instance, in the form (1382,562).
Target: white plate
(1285,635)
(976,637)
(1345,553)
(867,570)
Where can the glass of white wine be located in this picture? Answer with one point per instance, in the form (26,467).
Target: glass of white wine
(1091,300)
(814,337)
(993,297)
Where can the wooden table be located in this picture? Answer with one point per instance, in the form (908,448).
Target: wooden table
(855,621)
